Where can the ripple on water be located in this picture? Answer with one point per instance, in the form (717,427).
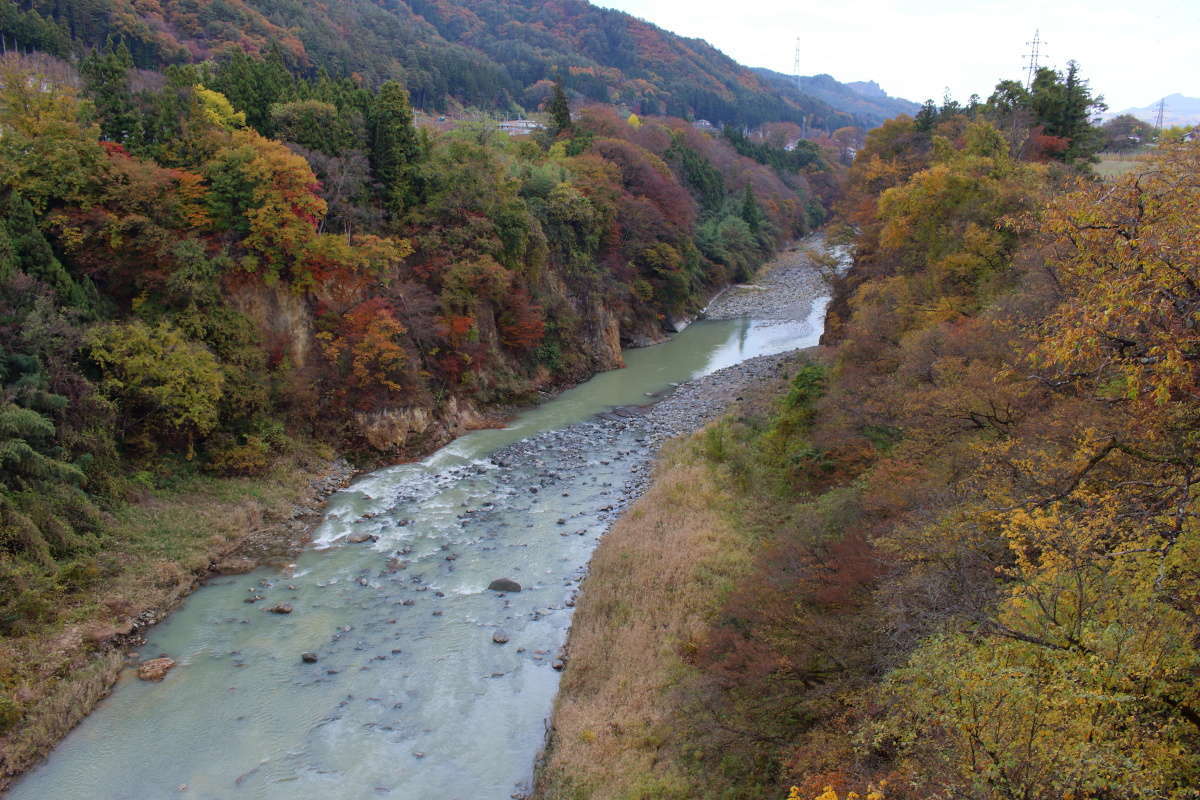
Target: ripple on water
(409,697)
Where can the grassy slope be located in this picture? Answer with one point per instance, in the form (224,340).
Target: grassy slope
(622,723)
(653,582)
(159,549)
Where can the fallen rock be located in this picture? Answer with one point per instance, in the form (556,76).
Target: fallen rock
(308,658)
(504,585)
(282,608)
(155,669)
(500,637)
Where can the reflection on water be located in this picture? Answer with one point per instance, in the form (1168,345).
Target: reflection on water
(410,697)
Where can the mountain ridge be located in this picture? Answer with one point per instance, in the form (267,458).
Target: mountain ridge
(1179,109)
(500,54)
(864,99)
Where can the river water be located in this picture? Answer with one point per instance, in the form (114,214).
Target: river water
(410,698)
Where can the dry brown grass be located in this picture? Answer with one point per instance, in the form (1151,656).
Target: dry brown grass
(655,580)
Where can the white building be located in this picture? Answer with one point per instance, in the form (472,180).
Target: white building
(520,127)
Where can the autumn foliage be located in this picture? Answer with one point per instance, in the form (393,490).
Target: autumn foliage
(976,568)
(203,267)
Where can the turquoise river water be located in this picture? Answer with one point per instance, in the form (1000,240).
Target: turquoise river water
(410,698)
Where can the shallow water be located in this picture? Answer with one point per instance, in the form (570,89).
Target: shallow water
(410,697)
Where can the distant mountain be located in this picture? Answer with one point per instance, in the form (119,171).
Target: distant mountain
(1177,110)
(499,54)
(865,100)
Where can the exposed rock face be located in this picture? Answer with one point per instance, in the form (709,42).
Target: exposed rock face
(680,324)
(392,428)
(504,585)
(401,429)
(282,315)
(607,339)
(155,669)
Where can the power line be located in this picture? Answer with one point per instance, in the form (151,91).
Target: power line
(796,63)
(1034,54)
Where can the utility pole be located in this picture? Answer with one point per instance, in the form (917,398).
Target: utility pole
(796,63)
(1035,52)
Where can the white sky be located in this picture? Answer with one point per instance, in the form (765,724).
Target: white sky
(1131,51)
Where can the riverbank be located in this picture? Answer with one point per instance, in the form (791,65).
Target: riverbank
(171,542)
(783,289)
(659,574)
(180,543)
(652,587)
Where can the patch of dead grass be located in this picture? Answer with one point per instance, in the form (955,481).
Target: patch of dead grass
(655,580)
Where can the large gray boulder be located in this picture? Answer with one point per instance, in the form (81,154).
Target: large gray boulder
(504,585)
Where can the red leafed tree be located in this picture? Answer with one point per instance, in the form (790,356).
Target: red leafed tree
(521,325)
(369,349)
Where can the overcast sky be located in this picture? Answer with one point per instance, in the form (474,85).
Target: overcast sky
(1133,52)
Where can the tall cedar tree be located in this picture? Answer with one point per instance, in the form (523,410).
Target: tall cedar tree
(395,148)
(560,110)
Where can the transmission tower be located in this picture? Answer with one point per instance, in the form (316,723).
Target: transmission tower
(1034,54)
(1162,107)
(796,63)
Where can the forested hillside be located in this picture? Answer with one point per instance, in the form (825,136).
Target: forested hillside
(864,101)
(496,54)
(210,268)
(970,520)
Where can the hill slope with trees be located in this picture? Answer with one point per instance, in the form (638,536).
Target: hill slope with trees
(494,54)
(957,553)
(215,269)
(865,101)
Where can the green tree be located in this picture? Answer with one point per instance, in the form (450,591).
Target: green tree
(1064,105)
(47,153)
(560,111)
(30,252)
(751,212)
(253,85)
(106,83)
(313,124)
(395,147)
(1126,132)
(165,384)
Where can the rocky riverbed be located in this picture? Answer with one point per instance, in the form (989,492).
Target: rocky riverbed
(783,289)
(396,670)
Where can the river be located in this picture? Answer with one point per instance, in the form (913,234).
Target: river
(410,697)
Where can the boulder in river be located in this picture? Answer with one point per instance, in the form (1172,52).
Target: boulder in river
(155,669)
(500,637)
(308,658)
(359,538)
(281,608)
(504,585)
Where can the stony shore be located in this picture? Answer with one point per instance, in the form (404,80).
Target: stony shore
(783,290)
